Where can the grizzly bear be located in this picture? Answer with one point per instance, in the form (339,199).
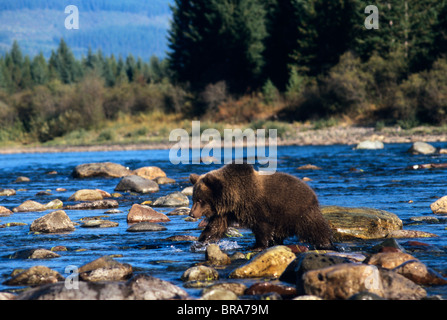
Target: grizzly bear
(273,206)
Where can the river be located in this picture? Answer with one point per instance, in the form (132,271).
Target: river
(356,178)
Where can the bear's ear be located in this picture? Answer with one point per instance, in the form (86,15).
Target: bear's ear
(193,178)
(214,183)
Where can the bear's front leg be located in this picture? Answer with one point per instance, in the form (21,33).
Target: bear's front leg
(215,229)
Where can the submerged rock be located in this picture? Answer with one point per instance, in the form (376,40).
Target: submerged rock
(140,287)
(92,205)
(54,222)
(101,169)
(145,226)
(360,223)
(99,223)
(269,263)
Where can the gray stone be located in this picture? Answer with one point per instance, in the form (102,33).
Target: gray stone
(146,226)
(137,184)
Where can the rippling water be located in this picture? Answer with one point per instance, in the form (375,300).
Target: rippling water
(381,180)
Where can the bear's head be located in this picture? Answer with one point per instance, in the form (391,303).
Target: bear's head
(207,188)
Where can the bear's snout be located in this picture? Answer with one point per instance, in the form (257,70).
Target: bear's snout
(196,211)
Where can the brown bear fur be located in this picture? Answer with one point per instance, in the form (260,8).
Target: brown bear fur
(273,206)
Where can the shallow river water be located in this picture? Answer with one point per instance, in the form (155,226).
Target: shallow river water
(381,180)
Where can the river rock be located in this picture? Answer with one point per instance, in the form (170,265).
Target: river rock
(200,273)
(236,287)
(140,287)
(341,281)
(403,234)
(34,254)
(182,238)
(389,260)
(29,206)
(407,266)
(397,287)
(93,205)
(164,180)
(149,172)
(137,184)
(101,169)
(188,191)
(182,211)
(260,288)
(4,212)
(54,205)
(269,263)
(360,223)
(175,199)
(219,294)
(22,179)
(86,195)
(99,223)
(439,206)
(145,226)
(35,276)
(54,222)
(370,145)
(141,213)
(420,147)
(7,192)
(105,269)
(7,296)
(215,256)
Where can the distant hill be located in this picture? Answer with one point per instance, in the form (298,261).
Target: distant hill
(114,26)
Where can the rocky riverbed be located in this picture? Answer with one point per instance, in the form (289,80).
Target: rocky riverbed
(387,270)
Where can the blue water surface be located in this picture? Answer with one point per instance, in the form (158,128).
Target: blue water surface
(378,179)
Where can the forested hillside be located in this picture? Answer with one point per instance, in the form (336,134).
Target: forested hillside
(246,62)
(114,26)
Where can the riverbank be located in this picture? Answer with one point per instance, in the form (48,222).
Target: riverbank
(296,135)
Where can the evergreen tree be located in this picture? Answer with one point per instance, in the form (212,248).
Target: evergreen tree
(214,40)
(39,70)
(64,64)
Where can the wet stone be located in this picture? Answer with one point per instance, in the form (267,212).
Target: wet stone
(146,226)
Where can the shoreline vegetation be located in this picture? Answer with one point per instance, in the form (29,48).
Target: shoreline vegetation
(290,135)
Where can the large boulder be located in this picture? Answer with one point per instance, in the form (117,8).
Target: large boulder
(137,184)
(54,222)
(421,148)
(141,287)
(101,169)
(269,263)
(360,223)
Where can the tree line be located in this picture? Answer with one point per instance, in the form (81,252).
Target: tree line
(245,61)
